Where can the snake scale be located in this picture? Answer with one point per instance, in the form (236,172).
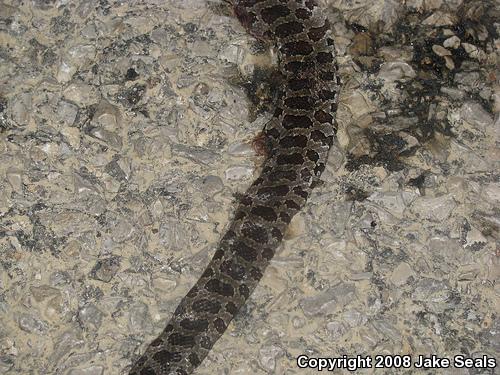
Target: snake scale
(297,140)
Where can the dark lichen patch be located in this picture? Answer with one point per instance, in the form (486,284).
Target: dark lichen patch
(3,116)
(385,150)
(25,239)
(417,181)
(487,223)
(421,95)
(354,193)
(131,74)
(422,105)
(42,238)
(476,20)
(131,96)
(357,28)
(142,42)
(113,169)
(62,24)
(262,88)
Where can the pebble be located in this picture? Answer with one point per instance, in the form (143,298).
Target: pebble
(452,42)
(21,108)
(440,51)
(44,292)
(31,324)
(453,92)
(391,201)
(65,72)
(173,235)
(106,269)
(433,208)
(139,318)
(14,177)
(474,51)
(491,192)
(241,149)
(426,289)
(401,274)
(439,18)
(332,298)
(164,284)
(212,184)
(268,356)
(81,94)
(354,318)
(122,231)
(336,329)
(90,317)
(396,70)
(387,329)
(239,172)
(67,112)
(468,80)
(476,115)
(66,342)
(475,240)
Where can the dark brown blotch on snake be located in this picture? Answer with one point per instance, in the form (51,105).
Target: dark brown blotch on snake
(298,138)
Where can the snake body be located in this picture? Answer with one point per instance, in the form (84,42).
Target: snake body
(297,139)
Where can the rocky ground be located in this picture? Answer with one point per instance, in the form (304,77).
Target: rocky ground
(126,132)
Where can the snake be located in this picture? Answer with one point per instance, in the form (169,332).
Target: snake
(297,140)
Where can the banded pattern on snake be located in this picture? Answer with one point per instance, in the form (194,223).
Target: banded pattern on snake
(298,139)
